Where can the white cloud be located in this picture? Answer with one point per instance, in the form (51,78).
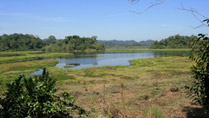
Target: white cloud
(35,17)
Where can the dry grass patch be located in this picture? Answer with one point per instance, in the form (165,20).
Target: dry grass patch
(156,89)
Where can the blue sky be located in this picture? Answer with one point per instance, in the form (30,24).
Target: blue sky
(107,19)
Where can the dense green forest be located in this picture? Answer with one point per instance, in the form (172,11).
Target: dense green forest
(20,42)
(176,41)
(25,42)
(75,43)
(118,44)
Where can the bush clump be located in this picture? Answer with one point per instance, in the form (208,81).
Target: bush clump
(36,98)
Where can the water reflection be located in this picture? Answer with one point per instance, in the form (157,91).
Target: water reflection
(112,58)
(82,61)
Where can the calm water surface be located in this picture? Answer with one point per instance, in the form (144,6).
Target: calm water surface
(110,58)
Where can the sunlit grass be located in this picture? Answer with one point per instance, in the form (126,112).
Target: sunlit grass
(18,53)
(150,68)
(29,56)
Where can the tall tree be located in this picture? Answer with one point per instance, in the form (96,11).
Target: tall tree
(50,40)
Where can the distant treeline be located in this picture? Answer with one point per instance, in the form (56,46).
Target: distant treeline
(176,41)
(25,42)
(118,44)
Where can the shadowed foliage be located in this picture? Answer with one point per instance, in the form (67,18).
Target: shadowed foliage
(20,42)
(200,86)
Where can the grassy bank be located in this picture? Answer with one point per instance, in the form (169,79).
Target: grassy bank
(144,49)
(24,62)
(10,71)
(18,53)
(10,57)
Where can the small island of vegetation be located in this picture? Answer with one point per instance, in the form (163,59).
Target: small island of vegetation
(75,44)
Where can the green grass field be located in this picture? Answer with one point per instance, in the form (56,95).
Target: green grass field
(18,53)
(9,57)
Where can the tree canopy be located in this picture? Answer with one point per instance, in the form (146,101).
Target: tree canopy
(20,42)
(75,43)
(176,41)
(50,40)
(24,42)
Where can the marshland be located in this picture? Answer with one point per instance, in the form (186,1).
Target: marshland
(104,59)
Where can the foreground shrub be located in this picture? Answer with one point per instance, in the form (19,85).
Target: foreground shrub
(35,97)
(199,90)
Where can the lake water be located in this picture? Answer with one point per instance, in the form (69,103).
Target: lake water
(110,59)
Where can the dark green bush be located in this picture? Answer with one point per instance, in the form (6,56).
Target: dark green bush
(199,90)
(36,98)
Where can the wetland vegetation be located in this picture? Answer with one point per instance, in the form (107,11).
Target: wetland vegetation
(161,80)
